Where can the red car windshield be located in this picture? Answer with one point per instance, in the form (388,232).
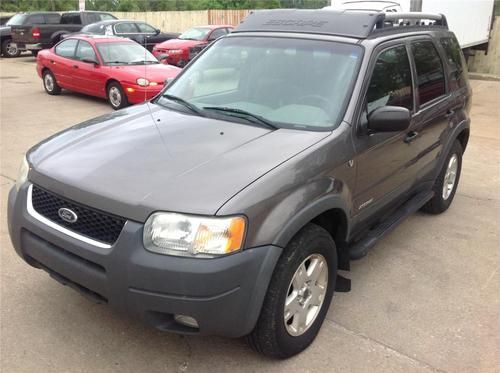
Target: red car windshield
(125,53)
(196,33)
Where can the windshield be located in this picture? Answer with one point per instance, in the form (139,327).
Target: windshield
(294,83)
(126,53)
(196,33)
(17,20)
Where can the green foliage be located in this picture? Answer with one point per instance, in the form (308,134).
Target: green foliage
(154,5)
(497,8)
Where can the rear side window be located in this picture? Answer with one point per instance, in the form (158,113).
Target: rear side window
(125,28)
(66,48)
(430,73)
(217,33)
(71,18)
(455,60)
(391,84)
(52,18)
(36,18)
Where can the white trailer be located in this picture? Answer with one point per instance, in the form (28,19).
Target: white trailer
(470,20)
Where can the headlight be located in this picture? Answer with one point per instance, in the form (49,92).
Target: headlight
(184,235)
(174,51)
(143,82)
(22,175)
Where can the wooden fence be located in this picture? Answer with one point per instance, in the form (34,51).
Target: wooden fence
(179,21)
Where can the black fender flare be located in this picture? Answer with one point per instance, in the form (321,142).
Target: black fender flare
(307,214)
(455,132)
(56,37)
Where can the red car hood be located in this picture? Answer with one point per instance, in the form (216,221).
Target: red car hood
(179,44)
(155,73)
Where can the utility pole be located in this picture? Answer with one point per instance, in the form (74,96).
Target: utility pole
(81,5)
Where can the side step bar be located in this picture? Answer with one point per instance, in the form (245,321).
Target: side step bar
(359,249)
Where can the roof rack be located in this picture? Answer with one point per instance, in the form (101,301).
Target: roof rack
(347,23)
(411,19)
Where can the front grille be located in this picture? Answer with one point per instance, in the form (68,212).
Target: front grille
(91,223)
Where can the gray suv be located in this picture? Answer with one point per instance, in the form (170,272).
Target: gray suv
(227,204)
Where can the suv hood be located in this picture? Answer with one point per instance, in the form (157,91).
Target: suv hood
(147,158)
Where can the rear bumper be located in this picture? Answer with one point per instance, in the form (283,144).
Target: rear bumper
(31,47)
(224,295)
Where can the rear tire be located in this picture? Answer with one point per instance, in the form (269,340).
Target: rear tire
(116,96)
(50,83)
(298,296)
(8,49)
(446,183)
(34,53)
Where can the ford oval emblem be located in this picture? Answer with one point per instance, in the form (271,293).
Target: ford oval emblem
(67,215)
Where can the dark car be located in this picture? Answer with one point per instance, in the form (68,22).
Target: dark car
(228,203)
(141,32)
(4,20)
(40,35)
(26,20)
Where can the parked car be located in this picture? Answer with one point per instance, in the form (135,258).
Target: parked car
(141,32)
(10,48)
(110,67)
(183,49)
(227,204)
(36,36)
(4,20)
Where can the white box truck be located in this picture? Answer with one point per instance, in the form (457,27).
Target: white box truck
(470,20)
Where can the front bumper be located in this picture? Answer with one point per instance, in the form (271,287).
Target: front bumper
(137,94)
(224,295)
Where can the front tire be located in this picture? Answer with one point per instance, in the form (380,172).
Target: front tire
(9,49)
(299,295)
(116,96)
(50,83)
(447,182)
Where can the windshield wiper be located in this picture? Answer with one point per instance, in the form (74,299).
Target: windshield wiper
(254,118)
(143,62)
(117,62)
(184,103)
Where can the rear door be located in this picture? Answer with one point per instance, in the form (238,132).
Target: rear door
(61,62)
(88,77)
(385,160)
(434,103)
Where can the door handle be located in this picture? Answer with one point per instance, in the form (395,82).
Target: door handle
(75,66)
(449,113)
(410,136)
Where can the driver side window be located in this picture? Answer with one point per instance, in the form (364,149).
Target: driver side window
(391,83)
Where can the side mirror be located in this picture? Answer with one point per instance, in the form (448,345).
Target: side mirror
(389,119)
(90,60)
(157,31)
(167,81)
(162,57)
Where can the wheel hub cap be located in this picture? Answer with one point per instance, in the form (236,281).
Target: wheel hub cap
(450,176)
(49,82)
(115,96)
(306,293)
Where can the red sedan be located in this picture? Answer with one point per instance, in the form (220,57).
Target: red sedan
(115,68)
(181,50)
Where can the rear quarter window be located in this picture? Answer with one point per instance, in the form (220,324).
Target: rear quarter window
(36,19)
(455,60)
(52,18)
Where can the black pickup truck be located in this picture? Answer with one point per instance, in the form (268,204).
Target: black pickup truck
(41,35)
(26,20)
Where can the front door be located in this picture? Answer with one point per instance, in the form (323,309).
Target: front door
(385,160)
(88,77)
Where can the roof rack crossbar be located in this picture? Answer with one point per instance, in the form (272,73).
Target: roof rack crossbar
(418,18)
